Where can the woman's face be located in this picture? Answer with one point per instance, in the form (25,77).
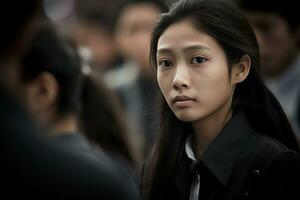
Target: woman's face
(192,72)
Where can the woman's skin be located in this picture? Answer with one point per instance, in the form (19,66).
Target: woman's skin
(192,73)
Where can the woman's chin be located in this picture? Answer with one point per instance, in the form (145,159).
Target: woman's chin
(186,117)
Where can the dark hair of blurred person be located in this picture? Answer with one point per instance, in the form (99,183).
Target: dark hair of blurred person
(126,4)
(15,37)
(103,123)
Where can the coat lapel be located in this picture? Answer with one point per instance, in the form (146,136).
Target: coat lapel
(183,178)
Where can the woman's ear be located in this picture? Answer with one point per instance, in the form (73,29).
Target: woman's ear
(241,70)
(41,93)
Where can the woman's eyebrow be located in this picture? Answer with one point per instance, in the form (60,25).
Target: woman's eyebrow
(188,48)
(164,50)
(196,47)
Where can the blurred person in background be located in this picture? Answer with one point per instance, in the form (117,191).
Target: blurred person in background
(52,78)
(93,32)
(133,80)
(31,167)
(277,27)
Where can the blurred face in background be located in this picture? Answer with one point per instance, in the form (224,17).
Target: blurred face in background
(99,42)
(278,45)
(133,32)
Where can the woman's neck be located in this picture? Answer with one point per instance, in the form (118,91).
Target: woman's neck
(208,128)
(64,126)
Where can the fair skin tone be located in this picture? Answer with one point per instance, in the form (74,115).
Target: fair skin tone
(40,97)
(278,44)
(192,74)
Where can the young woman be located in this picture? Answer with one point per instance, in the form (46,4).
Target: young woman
(223,135)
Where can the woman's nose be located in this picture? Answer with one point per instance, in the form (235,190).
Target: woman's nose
(180,80)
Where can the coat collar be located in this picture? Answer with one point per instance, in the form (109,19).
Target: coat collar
(222,153)
(220,156)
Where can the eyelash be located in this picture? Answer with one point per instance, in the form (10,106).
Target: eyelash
(197,57)
(162,63)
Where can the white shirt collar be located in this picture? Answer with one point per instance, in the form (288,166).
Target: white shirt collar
(189,150)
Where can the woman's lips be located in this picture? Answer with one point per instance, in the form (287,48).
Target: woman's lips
(182,101)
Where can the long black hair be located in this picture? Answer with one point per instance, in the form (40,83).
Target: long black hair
(226,24)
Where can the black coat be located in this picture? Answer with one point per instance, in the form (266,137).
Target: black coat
(239,164)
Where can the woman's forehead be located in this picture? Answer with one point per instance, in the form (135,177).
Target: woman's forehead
(185,36)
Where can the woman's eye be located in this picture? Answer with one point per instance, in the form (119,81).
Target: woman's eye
(165,63)
(198,60)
